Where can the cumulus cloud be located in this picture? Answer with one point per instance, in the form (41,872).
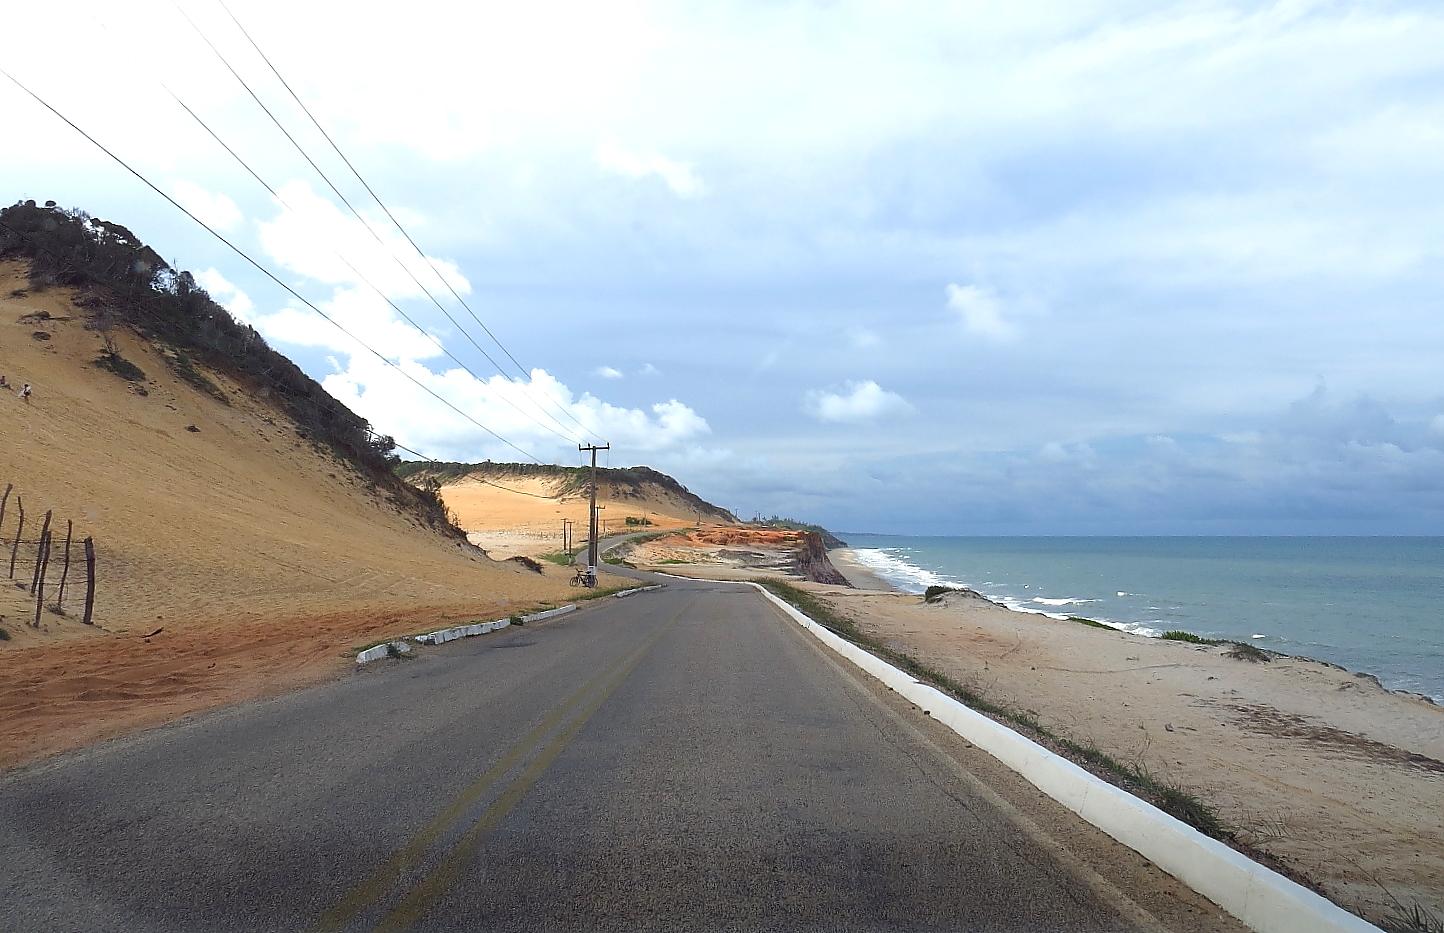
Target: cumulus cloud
(1200,252)
(980,312)
(609,372)
(317,239)
(679,177)
(856,401)
(515,409)
(364,314)
(213,207)
(228,295)
(649,370)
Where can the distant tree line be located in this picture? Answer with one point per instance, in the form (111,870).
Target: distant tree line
(126,283)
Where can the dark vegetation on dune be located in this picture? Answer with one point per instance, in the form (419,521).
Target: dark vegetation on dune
(125,284)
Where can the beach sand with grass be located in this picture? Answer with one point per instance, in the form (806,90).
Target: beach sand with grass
(1318,770)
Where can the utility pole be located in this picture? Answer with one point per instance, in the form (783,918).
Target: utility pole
(592,513)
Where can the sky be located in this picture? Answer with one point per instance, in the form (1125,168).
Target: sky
(957,268)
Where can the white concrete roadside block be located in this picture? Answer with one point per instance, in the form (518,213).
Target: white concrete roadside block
(378,652)
(442,636)
(637,589)
(549,613)
(1263,899)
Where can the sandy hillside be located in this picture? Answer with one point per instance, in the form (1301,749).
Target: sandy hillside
(240,531)
(519,514)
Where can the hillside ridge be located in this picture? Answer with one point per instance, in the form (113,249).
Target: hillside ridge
(618,483)
(124,284)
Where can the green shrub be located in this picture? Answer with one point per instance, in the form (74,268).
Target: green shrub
(1180,635)
(935,594)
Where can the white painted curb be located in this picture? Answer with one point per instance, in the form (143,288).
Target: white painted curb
(380,651)
(1263,899)
(635,590)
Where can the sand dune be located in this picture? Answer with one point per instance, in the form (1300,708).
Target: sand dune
(523,514)
(239,535)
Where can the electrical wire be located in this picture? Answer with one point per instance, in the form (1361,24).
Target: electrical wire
(262,269)
(486,482)
(354,212)
(357,272)
(522,370)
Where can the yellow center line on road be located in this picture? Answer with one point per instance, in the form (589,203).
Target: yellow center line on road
(373,888)
(420,899)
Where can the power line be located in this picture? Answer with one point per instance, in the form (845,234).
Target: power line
(270,275)
(521,370)
(485,482)
(354,212)
(357,272)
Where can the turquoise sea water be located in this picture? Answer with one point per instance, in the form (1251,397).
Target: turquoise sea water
(1370,604)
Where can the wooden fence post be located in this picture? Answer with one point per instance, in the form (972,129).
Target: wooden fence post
(20,530)
(64,573)
(89,580)
(40,547)
(3,502)
(43,558)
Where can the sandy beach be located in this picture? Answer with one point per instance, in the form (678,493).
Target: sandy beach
(857,572)
(1320,767)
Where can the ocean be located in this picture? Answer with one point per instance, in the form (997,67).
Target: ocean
(1373,605)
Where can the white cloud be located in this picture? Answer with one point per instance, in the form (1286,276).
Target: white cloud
(316,239)
(980,312)
(362,313)
(649,370)
(858,401)
(609,372)
(228,295)
(510,407)
(679,177)
(213,207)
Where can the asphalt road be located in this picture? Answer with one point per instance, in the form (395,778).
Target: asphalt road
(681,760)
